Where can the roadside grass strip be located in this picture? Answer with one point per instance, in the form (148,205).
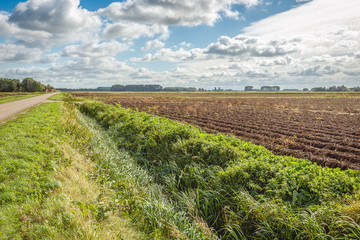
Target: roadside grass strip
(218,186)
(10,97)
(46,188)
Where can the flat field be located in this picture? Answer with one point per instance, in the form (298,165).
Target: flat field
(321,127)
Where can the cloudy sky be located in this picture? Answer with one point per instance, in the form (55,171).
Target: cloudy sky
(198,43)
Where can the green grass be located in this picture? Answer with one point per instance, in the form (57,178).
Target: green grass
(28,155)
(236,189)
(57,97)
(9,97)
(138,195)
(46,188)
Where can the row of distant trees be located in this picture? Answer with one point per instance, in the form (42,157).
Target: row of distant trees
(136,88)
(159,88)
(26,85)
(342,88)
(150,88)
(336,89)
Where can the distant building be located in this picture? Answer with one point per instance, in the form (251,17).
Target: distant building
(249,88)
(270,88)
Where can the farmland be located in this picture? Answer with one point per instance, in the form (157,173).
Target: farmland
(102,171)
(185,183)
(323,128)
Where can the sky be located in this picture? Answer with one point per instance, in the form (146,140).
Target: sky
(191,43)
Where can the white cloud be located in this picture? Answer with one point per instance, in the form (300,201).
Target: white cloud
(316,42)
(5,27)
(173,12)
(153,44)
(50,22)
(166,54)
(95,49)
(88,66)
(253,46)
(276,61)
(81,72)
(309,18)
(129,31)
(185,44)
(317,70)
(10,52)
(49,58)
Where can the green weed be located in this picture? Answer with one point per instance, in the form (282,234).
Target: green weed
(228,186)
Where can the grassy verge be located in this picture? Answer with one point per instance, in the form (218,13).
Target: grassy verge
(226,186)
(57,97)
(47,187)
(9,97)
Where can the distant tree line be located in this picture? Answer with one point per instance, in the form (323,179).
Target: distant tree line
(26,85)
(262,89)
(159,88)
(136,88)
(335,89)
(315,89)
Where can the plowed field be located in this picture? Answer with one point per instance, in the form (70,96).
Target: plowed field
(324,128)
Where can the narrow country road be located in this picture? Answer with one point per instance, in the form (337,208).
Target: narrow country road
(11,108)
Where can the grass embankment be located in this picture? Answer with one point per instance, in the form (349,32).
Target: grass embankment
(46,186)
(10,97)
(220,184)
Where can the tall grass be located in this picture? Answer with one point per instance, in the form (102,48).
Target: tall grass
(46,191)
(228,186)
(138,195)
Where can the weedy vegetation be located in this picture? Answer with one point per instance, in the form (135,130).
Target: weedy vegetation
(222,187)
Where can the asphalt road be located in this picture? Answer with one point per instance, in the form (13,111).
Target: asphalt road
(11,108)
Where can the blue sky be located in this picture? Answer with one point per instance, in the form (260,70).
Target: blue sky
(204,43)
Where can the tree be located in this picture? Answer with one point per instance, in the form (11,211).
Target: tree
(49,88)
(249,88)
(355,89)
(118,87)
(8,85)
(318,89)
(30,85)
(342,89)
(332,89)
(27,84)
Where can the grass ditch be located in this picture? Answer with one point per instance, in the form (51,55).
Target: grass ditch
(138,196)
(48,185)
(223,186)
